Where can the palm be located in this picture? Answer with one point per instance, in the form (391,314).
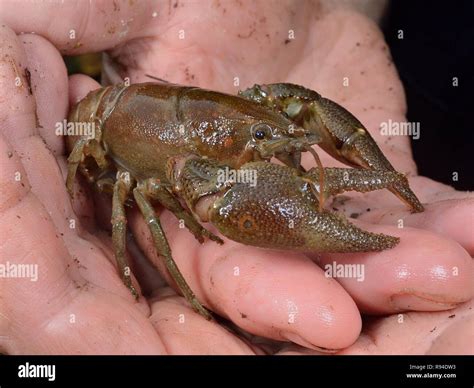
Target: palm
(270,286)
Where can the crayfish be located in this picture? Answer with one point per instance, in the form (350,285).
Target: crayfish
(168,144)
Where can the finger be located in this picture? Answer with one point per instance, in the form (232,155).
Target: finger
(431,191)
(440,333)
(48,83)
(77,27)
(458,337)
(278,295)
(425,272)
(18,112)
(19,115)
(446,210)
(49,309)
(79,86)
(17,107)
(178,325)
(448,218)
(426,190)
(52,309)
(444,332)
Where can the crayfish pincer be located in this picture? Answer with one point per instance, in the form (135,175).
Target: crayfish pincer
(167,144)
(280,208)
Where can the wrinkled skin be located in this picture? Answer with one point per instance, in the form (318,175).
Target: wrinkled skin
(76,271)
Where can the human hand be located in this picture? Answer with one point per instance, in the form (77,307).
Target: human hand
(76,271)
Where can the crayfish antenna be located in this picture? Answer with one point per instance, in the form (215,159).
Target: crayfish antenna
(157,79)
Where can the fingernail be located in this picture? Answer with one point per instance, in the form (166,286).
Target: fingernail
(295,338)
(415,302)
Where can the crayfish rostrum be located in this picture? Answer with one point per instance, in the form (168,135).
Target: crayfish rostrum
(168,144)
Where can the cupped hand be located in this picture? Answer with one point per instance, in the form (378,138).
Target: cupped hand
(79,305)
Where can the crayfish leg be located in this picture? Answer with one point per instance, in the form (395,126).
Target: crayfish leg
(342,135)
(121,191)
(83,148)
(157,191)
(339,180)
(361,149)
(73,163)
(164,250)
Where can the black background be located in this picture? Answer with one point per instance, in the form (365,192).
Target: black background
(183,371)
(438,45)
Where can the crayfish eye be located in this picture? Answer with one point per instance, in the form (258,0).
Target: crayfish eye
(259,134)
(261,131)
